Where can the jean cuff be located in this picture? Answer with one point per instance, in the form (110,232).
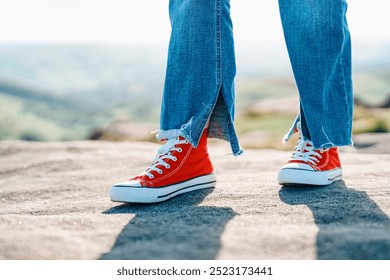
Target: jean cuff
(172,133)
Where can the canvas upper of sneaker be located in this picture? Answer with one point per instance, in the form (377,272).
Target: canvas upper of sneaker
(175,162)
(306,157)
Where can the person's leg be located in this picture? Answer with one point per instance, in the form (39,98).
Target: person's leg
(199,84)
(198,102)
(319,47)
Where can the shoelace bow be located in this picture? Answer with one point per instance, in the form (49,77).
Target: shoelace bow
(165,152)
(304,151)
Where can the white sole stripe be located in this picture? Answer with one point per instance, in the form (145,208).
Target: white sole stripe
(196,185)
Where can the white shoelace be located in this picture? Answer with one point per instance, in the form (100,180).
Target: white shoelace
(304,151)
(165,153)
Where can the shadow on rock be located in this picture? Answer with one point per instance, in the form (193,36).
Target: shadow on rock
(176,229)
(351,225)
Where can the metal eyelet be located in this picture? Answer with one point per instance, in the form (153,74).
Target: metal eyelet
(167,166)
(174,158)
(180,150)
(160,172)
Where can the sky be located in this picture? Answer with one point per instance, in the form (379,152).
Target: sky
(146,21)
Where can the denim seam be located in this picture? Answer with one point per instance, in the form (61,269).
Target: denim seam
(329,144)
(218,39)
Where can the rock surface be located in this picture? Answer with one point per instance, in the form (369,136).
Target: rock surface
(54,204)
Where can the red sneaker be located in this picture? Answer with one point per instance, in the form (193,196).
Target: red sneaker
(177,168)
(308,166)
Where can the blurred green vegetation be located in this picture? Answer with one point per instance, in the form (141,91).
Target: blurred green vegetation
(367,120)
(29,115)
(123,86)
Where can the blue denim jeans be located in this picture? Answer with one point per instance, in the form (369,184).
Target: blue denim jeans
(199,84)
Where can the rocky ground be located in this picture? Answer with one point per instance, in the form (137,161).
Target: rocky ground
(54,204)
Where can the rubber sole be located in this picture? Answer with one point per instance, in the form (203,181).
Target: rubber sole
(138,194)
(299,177)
